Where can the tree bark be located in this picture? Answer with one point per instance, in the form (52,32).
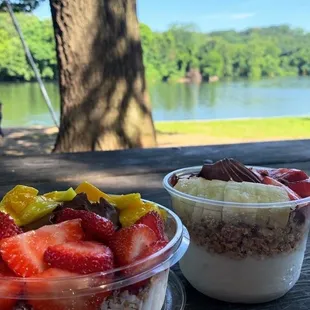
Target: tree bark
(104,102)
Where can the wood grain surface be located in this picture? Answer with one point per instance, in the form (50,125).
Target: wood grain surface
(143,171)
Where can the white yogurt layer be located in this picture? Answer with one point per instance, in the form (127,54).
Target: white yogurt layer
(247,280)
(151,299)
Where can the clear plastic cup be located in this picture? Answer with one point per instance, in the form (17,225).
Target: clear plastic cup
(141,285)
(241,252)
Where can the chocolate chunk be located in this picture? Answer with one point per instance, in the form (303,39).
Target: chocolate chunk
(228,169)
(173,180)
(105,209)
(80,202)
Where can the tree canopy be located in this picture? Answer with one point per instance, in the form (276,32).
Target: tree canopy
(40,39)
(253,53)
(21,5)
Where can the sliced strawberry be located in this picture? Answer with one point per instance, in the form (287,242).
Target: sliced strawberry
(155,222)
(8,228)
(270,181)
(302,188)
(154,248)
(8,288)
(82,257)
(55,304)
(129,242)
(24,253)
(55,273)
(48,287)
(94,225)
(289,175)
(5,271)
(52,288)
(277,173)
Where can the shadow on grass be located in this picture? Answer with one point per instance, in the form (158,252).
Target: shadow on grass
(25,141)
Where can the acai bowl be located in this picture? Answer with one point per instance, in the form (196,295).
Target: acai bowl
(247,225)
(83,249)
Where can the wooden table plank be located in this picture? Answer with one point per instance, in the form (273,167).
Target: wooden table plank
(142,171)
(149,184)
(76,166)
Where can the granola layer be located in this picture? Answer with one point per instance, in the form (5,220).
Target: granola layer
(241,240)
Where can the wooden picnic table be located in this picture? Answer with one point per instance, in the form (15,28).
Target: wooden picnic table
(143,170)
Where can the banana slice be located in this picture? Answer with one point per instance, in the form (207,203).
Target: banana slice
(200,187)
(211,190)
(246,192)
(185,206)
(243,193)
(272,217)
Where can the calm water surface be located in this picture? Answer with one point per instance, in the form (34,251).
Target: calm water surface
(23,104)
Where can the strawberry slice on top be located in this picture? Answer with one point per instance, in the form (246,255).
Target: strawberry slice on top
(289,175)
(291,194)
(82,257)
(95,226)
(302,188)
(129,242)
(154,248)
(24,253)
(154,221)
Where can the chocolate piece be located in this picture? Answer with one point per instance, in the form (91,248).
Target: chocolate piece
(80,202)
(105,209)
(102,208)
(228,169)
(173,180)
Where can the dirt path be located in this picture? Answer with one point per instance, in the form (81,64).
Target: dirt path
(40,140)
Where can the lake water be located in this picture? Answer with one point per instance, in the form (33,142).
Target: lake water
(23,104)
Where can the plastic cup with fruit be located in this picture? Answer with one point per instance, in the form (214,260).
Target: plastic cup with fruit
(83,249)
(248,228)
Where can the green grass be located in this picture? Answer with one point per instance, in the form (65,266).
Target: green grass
(253,129)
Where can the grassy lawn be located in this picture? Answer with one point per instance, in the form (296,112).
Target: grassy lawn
(174,134)
(248,129)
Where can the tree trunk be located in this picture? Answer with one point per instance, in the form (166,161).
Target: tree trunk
(104,102)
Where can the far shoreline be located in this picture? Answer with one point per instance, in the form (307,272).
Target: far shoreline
(38,139)
(179,81)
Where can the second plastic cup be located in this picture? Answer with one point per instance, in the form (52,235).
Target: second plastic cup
(241,252)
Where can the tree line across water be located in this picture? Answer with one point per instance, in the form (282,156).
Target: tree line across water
(168,56)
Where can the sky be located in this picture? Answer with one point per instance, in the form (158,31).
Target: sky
(210,15)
